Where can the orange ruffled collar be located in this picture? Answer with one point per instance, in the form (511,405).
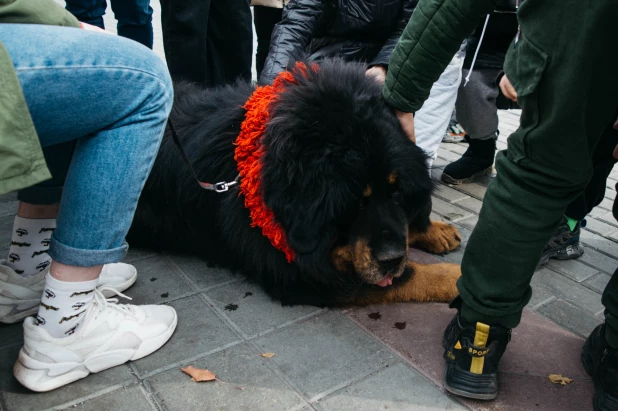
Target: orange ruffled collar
(249,152)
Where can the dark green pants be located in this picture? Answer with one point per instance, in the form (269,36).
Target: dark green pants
(563,67)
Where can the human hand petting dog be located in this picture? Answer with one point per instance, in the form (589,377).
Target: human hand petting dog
(407,124)
(378,73)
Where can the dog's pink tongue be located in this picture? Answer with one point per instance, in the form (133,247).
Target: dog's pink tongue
(388,280)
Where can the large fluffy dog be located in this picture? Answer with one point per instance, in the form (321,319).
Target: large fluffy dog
(343,191)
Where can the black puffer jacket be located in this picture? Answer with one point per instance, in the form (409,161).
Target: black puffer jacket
(355,30)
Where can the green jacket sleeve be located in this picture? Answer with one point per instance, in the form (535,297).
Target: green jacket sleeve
(429,42)
(36,12)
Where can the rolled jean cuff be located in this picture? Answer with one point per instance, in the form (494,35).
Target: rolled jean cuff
(473,316)
(85,258)
(40,195)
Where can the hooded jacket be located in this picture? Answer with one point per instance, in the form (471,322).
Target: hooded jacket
(355,30)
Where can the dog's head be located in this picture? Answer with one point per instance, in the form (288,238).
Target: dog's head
(341,176)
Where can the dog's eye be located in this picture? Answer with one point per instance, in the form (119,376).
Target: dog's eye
(396,197)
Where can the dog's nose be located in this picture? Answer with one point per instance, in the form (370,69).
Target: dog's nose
(391,264)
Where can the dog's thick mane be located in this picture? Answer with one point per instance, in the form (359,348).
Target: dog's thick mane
(322,136)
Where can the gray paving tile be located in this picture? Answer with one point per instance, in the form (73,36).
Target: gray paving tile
(5,198)
(18,398)
(471,204)
(12,335)
(440,163)
(8,208)
(568,290)
(396,388)
(447,155)
(571,317)
(202,273)
(449,211)
(599,243)
(6,226)
(136,254)
(241,366)
(609,219)
(199,331)
(252,310)
(324,352)
(600,261)
(599,227)
(606,204)
(473,189)
(156,282)
(130,398)
(540,296)
(598,282)
(469,222)
(457,148)
(449,194)
(454,257)
(572,269)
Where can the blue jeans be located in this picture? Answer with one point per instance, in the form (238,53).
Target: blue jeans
(111,97)
(134,17)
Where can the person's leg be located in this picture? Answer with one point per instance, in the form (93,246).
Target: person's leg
(185,27)
(88,11)
(564,243)
(22,274)
(230,42)
(431,121)
(118,135)
(134,20)
(547,165)
(600,352)
(478,115)
(265,19)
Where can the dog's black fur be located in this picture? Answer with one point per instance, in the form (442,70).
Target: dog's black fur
(329,137)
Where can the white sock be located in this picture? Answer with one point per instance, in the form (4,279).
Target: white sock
(29,244)
(63,305)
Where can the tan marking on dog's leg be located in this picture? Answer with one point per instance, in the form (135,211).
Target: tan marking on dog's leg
(392,178)
(439,238)
(342,258)
(429,282)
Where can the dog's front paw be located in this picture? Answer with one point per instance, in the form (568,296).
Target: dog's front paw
(439,238)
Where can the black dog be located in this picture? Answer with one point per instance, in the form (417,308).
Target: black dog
(348,188)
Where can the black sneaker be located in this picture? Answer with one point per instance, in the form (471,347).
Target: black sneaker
(472,353)
(478,160)
(564,243)
(601,362)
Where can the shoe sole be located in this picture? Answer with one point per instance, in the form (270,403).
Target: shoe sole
(554,254)
(460,393)
(41,377)
(455,181)
(21,315)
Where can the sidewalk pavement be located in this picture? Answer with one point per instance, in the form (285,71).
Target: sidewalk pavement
(372,358)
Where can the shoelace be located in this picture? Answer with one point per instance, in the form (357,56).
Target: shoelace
(103,303)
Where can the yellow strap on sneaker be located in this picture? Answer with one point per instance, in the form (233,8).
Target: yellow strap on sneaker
(480,339)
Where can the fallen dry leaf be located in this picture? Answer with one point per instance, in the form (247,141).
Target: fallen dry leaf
(198,374)
(559,379)
(268,355)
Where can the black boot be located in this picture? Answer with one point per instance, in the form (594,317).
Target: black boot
(601,362)
(476,161)
(472,352)
(564,243)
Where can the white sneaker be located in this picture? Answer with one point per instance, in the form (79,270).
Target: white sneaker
(111,334)
(20,296)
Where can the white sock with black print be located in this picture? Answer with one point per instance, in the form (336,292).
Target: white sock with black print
(63,305)
(29,244)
